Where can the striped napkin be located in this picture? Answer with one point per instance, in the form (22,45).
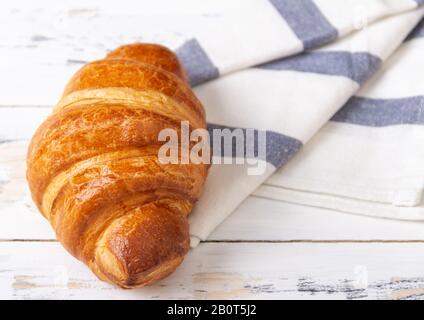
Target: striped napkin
(368,158)
(285,68)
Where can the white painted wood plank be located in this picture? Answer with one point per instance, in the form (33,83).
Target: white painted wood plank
(229,271)
(20,123)
(255,219)
(46,41)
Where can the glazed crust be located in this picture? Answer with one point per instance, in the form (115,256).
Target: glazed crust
(94,172)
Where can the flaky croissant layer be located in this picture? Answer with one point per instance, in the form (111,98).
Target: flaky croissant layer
(94,172)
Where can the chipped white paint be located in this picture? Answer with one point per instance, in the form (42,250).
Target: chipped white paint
(45,42)
(228,271)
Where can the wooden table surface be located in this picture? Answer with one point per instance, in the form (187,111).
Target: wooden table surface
(266,249)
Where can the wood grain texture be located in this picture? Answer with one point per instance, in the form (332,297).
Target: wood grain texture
(229,271)
(47,42)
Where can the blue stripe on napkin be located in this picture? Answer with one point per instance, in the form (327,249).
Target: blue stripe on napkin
(418,31)
(306,21)
(196,62)
(358,66)
(279,148)
(382,112)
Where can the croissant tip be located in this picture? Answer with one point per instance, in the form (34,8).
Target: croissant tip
(117,273)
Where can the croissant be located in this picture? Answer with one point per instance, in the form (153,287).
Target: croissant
(93,167)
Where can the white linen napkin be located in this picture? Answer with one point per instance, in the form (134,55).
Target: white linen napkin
(368,158)
(288,99)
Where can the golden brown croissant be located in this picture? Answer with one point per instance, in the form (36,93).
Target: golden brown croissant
(94,172)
